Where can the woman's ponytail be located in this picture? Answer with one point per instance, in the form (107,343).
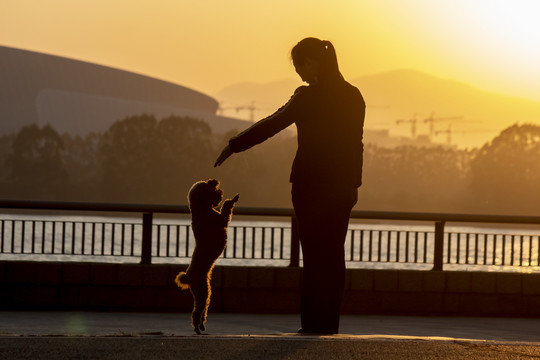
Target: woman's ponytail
(331,59)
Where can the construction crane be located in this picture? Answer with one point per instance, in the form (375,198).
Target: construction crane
(413,121)
(250,107)
(449,133)
(431,120)
(222,108)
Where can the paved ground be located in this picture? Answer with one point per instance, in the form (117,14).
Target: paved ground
(93,335)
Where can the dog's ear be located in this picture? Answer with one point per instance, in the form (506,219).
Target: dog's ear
(213,182)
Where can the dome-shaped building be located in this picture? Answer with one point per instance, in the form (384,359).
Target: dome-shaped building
(80,97)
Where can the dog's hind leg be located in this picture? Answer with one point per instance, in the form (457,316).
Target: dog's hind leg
(196,319)
(207,304)
(200,296)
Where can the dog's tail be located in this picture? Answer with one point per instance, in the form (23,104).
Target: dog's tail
(182,280)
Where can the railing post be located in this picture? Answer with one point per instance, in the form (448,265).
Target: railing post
(146,247)
(295,243)
(438,248)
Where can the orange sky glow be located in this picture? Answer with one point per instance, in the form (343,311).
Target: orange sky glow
(209,44)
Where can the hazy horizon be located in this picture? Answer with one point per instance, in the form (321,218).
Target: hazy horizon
(489,44)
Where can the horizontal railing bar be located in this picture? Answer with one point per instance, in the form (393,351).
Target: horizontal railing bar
(89,206)
(284,212)
(446,217)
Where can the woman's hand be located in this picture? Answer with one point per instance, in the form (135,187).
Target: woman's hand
(225,153)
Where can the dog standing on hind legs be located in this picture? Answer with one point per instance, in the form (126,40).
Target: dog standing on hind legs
(210,229)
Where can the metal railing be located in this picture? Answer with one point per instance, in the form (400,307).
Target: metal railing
(157,239)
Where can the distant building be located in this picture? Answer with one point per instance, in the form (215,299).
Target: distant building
(80,97)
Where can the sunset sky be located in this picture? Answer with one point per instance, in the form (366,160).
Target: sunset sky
(209,44)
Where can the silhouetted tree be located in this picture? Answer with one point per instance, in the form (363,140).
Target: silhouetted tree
(36,167)
(128,153)
(6,147)
(409,178)
(82,163)
(144,160)
(505,174)
(184,155)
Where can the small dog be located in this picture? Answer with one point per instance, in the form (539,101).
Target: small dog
(210,229)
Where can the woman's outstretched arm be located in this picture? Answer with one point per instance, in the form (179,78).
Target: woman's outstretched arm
(265,128)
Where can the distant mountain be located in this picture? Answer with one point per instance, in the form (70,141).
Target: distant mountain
(477,115)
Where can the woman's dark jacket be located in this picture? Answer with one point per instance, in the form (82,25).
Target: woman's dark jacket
(330,120)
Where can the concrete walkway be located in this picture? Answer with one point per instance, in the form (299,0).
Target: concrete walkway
(25,335)
(136,324)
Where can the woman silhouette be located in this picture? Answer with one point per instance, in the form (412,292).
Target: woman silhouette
(326,173)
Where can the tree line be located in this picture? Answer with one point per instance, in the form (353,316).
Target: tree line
(142,160)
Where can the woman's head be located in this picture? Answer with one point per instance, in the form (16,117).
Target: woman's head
(315,60)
